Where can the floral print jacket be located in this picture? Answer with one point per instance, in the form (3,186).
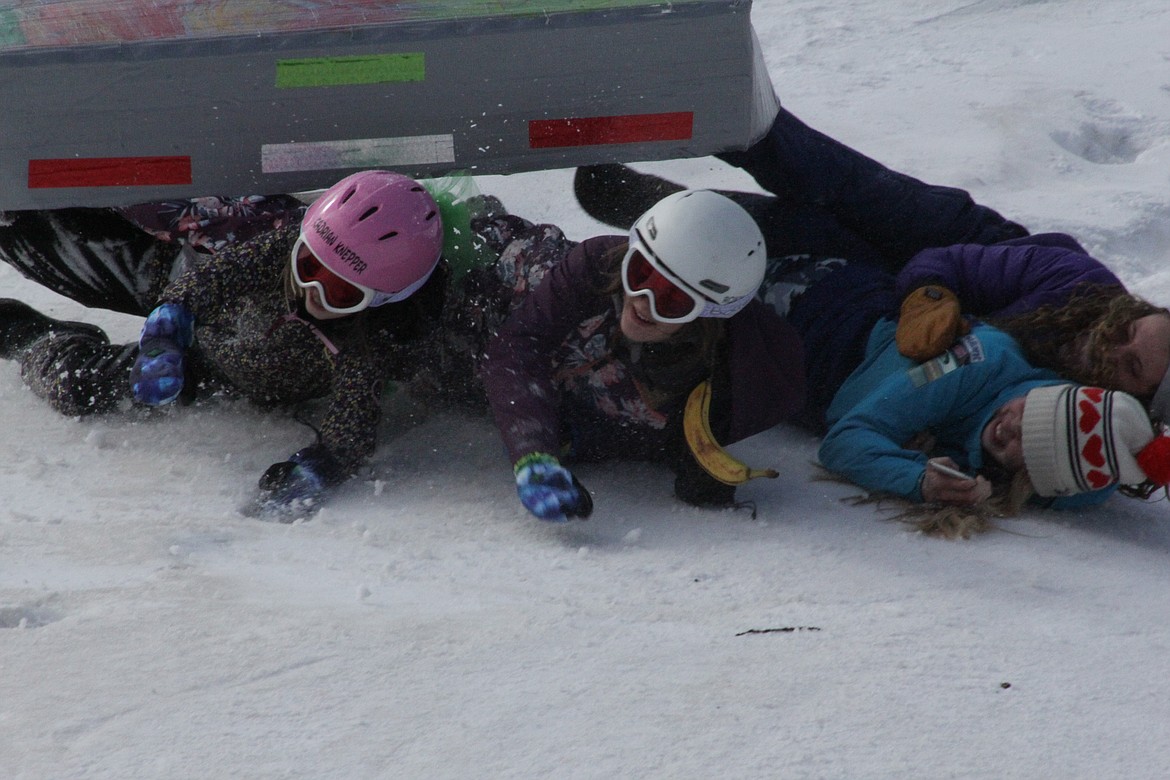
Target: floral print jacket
(561,378)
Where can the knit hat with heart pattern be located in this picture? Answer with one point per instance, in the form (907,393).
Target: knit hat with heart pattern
(1078,439)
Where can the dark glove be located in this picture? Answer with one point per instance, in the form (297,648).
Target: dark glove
(930,322)
(550,491)
(295,487)
(157,375)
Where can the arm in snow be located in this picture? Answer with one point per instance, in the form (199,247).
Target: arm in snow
(865,444)
(864,448)
(1007,278)
(349,428)
(520,362)
(297,486)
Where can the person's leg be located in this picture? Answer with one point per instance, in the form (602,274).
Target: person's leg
(77,372)
(618,195)
(21,325)
(787,278)
(892,211)
(93,256)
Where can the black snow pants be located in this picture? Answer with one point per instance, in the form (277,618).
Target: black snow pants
(98,258)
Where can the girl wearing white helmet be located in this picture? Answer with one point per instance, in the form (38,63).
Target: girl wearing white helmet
(599,359)
(329,306)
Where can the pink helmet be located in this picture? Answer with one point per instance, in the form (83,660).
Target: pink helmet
(377,229)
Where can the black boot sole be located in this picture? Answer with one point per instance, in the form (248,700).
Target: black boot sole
(617,195)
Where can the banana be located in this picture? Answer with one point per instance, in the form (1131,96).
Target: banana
(715,460)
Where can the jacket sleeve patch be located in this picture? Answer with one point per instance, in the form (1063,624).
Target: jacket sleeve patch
(966,350)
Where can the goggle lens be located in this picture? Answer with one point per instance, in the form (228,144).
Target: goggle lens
(337,294)
(667,300)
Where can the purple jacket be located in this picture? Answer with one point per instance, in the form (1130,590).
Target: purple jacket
(559,371)
(1010,277)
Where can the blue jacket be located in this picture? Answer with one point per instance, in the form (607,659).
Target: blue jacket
(835,316)
(890,399)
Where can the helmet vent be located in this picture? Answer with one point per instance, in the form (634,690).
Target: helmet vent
(714,286)
(348,194)
(391,234)
(371,211)
(430,215)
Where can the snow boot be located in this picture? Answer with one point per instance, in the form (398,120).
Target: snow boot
(617,195)
(21,325)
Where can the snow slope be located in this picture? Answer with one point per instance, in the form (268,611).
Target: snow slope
(424,626)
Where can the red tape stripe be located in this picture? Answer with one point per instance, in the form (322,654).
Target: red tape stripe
(597,130)
(108,172)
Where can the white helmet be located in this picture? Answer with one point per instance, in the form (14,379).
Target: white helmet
(705,243)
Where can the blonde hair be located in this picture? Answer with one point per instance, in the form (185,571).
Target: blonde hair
(1008,497)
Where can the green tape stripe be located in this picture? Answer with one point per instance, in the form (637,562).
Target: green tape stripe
(335,71)
(10,32)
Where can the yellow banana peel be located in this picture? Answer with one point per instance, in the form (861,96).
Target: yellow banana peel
(715,460)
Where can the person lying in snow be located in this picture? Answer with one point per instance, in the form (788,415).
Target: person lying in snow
(597,360)
(329,306)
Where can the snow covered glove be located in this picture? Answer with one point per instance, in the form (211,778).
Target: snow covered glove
(549,490)
(930,322)
(157,375)
(296,487)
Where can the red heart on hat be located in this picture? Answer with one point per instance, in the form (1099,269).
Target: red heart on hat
(1093,451)
(1089,417)
(1098,479)
(1095,394)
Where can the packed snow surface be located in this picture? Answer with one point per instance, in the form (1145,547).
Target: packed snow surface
(423,625)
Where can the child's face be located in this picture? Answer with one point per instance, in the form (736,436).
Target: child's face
(1002,437)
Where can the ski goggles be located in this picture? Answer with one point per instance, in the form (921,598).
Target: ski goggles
(337,295)
(670,301)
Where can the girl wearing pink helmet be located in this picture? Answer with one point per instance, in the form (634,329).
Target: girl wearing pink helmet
(373,238)
(328,306)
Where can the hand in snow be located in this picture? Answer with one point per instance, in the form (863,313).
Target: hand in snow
(294,488)
(550,491)
(158,373)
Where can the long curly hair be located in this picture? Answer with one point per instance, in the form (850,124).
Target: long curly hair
(1076,338)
